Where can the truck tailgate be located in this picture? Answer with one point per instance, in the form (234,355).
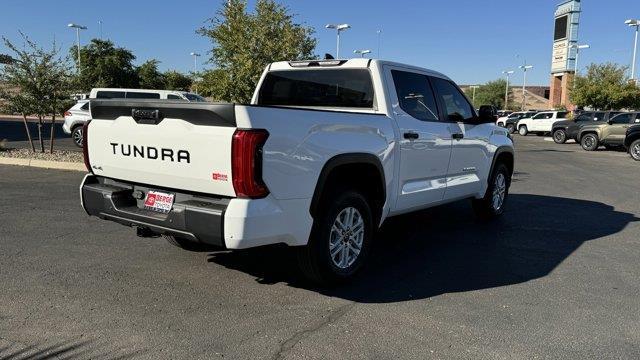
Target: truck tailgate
(166,144)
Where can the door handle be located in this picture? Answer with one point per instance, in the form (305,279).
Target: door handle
(411,135)
(457,136)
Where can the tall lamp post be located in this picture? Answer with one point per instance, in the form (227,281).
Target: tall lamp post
(195,70)
(379,32)
(362,52)
(195,61)
(473,96)
(524,68)
(634,23)
(575,70)
(508,74)
(339,28)
(78,28)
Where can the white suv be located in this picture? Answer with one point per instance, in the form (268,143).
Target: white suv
(541,123)
(74,118)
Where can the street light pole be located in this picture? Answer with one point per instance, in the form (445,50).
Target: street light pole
(339,28)
(634,23)
(575,70)
(195,62)
(78,28)
(524,68)
(508,73)
(362,52)
(379,32)
(473,97)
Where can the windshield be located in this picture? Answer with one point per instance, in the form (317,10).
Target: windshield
(340,88)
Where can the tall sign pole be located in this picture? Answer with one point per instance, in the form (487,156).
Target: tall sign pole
(564,52)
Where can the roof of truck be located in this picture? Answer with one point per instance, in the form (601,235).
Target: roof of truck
(357,63)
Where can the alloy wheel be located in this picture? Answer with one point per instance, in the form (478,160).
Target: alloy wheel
(499,191)
(346,238)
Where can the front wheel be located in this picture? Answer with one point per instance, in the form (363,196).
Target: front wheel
(494,201)
(559,136)
(77,136)
(634,150)
(589,142)
(510,128)
(340,240)
(523,131)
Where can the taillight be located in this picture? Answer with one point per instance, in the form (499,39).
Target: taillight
(246,163)
(67,113)
(85,145)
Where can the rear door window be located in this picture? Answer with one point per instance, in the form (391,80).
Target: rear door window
(142,95)
(333,88)
(110,95)
(415,95)
(623,119)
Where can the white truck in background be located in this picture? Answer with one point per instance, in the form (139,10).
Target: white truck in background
(326,151)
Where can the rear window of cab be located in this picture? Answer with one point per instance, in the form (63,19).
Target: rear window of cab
(335,88)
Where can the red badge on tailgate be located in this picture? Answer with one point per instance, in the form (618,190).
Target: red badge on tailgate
(219,177)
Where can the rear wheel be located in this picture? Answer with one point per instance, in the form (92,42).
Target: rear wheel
(494,201)
(559,136)
(340,239)
(523,131)
(77,136)
(634,150)
(589,142)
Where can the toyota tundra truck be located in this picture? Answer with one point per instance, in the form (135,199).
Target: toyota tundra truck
(326,151)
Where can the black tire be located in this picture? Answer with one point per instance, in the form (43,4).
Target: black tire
(486,208)
(188,244)
(315,259)
(510,128)
(589,142)
(523,131)
(634,150)
(77,136)
(559,136)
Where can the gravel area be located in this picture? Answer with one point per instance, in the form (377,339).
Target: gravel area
(58,155)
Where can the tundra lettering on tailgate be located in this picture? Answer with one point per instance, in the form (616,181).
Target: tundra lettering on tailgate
(150,152)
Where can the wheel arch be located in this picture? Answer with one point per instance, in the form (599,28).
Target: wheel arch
(631,137)
(345,166)
(506,155)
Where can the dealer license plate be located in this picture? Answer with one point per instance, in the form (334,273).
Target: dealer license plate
(159,201)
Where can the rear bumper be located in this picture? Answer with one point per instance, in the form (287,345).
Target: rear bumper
(231,223)
(196,218)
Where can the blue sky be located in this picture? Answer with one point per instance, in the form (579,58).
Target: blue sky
(472,41)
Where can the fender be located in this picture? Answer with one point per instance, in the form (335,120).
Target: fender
(633,134)
(502,150)
(345,159)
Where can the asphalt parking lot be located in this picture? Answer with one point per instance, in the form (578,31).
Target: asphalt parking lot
(557,277)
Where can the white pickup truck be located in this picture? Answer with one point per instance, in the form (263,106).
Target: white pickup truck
(326,151)
(541,123)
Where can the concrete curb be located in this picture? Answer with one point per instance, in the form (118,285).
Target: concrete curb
(60,165)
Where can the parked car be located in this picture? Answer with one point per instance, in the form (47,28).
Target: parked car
(502,115)
(512,120)
(568,129)
(632,141)
(116,93)
(610,134)
(74,118)
(326,151)
(541,123)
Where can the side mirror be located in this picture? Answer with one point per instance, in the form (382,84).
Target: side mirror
(487,114)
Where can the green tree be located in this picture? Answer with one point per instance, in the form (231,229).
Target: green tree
(174,80)
(244,43)
(149,76)
(491,93)
(605,87)
(102,64)
(40,79)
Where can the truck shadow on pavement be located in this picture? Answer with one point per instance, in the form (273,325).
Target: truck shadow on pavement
(445,250)
(71,349)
